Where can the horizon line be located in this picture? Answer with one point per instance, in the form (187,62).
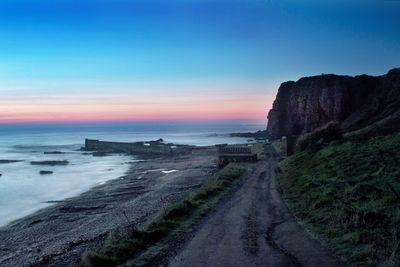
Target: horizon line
(144,121)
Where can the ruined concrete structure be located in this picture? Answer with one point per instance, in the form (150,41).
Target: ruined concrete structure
(151,148)
(227,154)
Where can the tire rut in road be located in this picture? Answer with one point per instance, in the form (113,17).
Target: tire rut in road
(271,242)
(251,233)
(277,219)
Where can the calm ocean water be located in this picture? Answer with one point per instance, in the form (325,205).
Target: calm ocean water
(23,190)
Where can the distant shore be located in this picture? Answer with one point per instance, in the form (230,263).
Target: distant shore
(258,134)
(59,234)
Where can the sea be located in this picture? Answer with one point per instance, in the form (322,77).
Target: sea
(23,190)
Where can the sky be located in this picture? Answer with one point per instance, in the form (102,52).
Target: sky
(180,60)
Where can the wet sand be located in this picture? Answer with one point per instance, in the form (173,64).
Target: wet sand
(59,234)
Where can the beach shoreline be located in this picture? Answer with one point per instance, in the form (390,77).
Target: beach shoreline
(59,234)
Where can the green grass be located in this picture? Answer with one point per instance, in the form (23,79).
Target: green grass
(259,149)
(280,147)
(133,248)
(348,196)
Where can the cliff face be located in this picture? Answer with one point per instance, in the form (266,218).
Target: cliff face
(363,106)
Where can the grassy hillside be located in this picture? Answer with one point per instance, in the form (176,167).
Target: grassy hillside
(348,195)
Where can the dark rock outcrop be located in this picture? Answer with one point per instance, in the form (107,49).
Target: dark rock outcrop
(362,106)
(51,162)
(53,152)
(45,172)
(258,134)
(5,161)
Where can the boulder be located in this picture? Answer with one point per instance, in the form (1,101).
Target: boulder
(5,161)
(50,162)
(45,172)
(53,152)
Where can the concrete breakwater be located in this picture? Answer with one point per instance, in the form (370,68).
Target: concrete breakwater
(145,149)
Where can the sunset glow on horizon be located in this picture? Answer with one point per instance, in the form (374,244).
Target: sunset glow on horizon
(94,61)
(43,106)
(81,112)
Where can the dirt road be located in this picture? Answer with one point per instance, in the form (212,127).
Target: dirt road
(253,228)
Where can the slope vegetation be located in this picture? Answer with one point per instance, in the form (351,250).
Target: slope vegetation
(348,195)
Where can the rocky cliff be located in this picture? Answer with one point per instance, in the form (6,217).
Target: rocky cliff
(361,106)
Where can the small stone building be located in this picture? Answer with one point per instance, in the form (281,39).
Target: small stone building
(229,154)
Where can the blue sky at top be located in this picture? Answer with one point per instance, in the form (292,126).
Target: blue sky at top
(238,47)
